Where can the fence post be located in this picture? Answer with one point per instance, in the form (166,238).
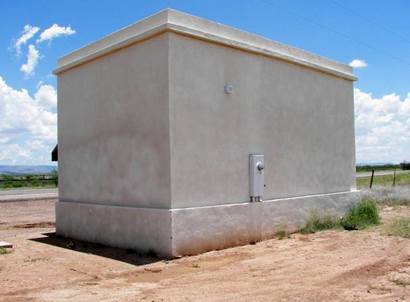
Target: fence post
(371,179)
(394,178)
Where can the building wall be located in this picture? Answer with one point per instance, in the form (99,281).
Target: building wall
(300,118)
(114,128)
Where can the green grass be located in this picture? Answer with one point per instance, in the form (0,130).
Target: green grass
(402,179)
(369,168)
(317,222)
(28,181)
(399,227)
(3,251)
(362,215)
(16,185)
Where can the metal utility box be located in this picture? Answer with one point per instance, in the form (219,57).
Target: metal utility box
(256,176)
(156,123)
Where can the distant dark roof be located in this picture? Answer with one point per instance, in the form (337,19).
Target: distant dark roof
(54,154)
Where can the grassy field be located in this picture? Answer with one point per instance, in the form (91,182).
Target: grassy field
(369,168)
(28,181)
(384,180)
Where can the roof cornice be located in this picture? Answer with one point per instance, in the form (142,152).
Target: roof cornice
(173,21)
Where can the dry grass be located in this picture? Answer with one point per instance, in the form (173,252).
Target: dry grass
(397,196)
(399,227)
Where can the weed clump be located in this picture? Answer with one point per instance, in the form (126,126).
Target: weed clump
(361,215)
(282,234)
(3,251)
(399,227)
(317,222)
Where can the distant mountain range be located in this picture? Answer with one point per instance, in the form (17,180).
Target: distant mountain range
(22,170)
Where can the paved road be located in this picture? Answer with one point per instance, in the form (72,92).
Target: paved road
(25,194)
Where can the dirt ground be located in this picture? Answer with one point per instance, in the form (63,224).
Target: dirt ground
(326,266)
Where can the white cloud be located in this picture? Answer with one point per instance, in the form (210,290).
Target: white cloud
(28,32)
(357,63)
(28,127)
(14,154)
(46,96)
(32,59)
(55,31)
(382,128)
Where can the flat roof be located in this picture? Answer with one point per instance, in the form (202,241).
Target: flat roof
(174,21)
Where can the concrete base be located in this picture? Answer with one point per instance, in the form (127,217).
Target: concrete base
(141,229)
(187,231)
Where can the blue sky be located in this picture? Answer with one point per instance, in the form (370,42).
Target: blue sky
(375,32)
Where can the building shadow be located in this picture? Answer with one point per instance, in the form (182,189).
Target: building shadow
(125,255)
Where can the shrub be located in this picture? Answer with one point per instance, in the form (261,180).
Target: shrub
(3,251)
(282,231)
(54,175)
(317,222)
(282,234)
(369,168)
(361,215)
(405,165)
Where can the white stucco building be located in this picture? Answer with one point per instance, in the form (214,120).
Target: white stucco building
(157,122)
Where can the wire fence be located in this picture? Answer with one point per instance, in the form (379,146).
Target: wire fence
(396,177)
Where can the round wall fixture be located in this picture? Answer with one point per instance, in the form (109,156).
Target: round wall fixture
(228,88)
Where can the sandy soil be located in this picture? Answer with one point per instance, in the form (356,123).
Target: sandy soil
(327,266)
